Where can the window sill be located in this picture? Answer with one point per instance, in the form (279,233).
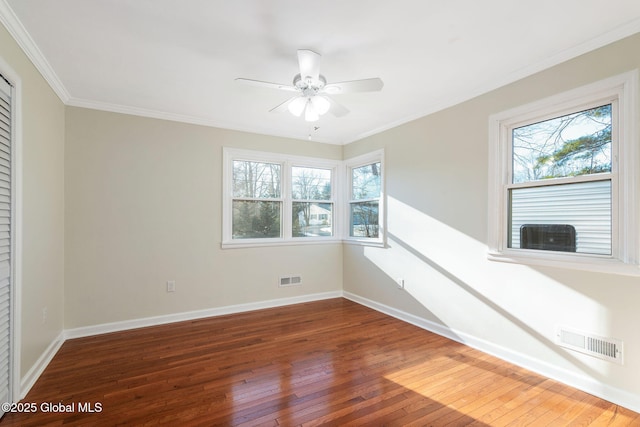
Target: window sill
(297,242)
(237,244)
(360,242)
(591,263)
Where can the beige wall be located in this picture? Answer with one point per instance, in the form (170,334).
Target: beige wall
(116,205)
(143,206)
(42,206)
(436,176)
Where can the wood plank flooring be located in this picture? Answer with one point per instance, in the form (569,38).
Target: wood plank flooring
(330,362)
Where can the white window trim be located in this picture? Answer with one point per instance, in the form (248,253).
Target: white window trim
(356,162)
(287,161)
(341,185)
(625,167)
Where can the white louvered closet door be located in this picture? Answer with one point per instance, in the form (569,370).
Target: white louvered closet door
(5,242)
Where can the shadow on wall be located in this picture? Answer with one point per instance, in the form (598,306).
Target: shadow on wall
(385,287)
(448,274)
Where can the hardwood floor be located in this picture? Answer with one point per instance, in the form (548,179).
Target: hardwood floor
(330,362)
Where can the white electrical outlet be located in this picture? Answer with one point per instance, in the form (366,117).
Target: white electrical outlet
(171,286)
(400,283)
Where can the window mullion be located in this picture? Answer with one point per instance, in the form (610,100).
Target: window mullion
(561,181)
(287,207)
(258,199)
(372,199)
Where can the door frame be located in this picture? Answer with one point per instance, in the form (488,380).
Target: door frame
(16,231)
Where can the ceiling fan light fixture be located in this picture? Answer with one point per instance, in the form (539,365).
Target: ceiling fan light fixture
(321,104)
(310,113)
(296,107)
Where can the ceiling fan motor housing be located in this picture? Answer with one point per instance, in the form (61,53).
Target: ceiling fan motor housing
(308,85)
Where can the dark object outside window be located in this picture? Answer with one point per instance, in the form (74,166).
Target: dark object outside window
(548,237)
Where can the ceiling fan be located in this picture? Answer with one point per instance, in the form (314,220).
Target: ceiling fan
(312,90)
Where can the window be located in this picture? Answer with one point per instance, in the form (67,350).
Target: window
(257,205)
(274,199)
(560,189)
(562,179)
(311,191)
(365,197)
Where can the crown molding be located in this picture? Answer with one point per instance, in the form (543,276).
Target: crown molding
(29,47)
(602,40)
(182,118)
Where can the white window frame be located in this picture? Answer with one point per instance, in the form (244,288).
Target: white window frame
(353,163)
(622,90)
(286,226)
(334,167)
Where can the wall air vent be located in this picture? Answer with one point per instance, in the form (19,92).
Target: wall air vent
(603,348)
(290,281)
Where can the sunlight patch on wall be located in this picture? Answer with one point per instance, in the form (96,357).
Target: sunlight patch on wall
(449,274)
(418,240)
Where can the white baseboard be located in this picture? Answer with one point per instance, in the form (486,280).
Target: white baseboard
(43,361)
(38,368)
(580,382)
(86,331)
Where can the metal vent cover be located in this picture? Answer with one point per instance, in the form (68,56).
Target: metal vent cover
(609,349)
(289,281)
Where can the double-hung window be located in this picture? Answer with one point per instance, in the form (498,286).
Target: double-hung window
(365,208)
(256,199)
(271,198)
(563,179)
(312,201)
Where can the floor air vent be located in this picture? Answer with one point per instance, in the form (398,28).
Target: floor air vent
(603,348)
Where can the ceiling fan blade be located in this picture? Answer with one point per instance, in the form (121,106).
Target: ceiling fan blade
(337,109)
(365,85)
(309,63)
(269,85)
(281,108)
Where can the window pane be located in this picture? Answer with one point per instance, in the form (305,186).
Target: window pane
(255,179)
(255,219)
(584,206)
(364,219)
(312,219)
(365,182)
(571,145)
(310,183)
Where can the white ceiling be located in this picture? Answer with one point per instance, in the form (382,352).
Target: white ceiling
(178,59)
